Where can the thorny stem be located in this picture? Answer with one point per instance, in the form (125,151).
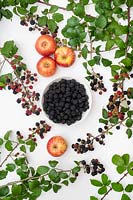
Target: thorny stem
(112,188)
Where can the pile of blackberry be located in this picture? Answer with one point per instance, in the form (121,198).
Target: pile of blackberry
(65,101)
(95,167)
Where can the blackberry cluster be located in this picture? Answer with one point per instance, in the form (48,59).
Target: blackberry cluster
(32,23)
(95,167)
(97,83)
(65,101)
(82,146)
(41,128)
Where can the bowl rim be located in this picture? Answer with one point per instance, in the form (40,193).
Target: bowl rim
(81,80)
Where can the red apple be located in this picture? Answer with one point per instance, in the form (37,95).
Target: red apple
(64,56)
(46,66)
(56,146)
(45,45)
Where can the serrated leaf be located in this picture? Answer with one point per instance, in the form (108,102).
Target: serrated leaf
(63,175)
(3,174)
(104,113)
(125,197)
(117,187)
(4,191)
(56,188)
(42,21)
(117,160)
(51,25)
(109,44)
(53,9)
(33,9)
(106,62)
(101,21)
(129,122)
(53,163)
(73,21)
(126,61)
(119,53)
(79,10)
(121,169)
(10,167)
(84,52)
(22,11)
(23,148)
(33,184)
(7,135)
(42,170)
(58,17)
(96,183)
(102,190)
(129,133)
(129,188)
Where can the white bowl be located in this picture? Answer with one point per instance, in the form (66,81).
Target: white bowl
(86,85)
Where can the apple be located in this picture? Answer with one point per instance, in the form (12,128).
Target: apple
(64,56)
(45,45)
(56,146)
(46,66)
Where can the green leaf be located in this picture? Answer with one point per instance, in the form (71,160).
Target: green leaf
(127,62)
(129,3)
(1,141)
(109,44)
(70,6)
(58,17)
(7,135)
(6,13)
(126,158)
(114,120)
(129,122)
(125,197)
(96,183)
(20,161)
(36,192)
(63,175)
(106,62)
(4,191)
(117,187)
(66,183)
(119,53)
(84,52)
(121,169)
(51,25)
(42,21)
(119,42)
(104,179)
(3,174)
(79,10)
(53,174)
(53,9)
(73,21)
(22,11)
(33,9)
(9,49)
(91,62)
(16,190)
(130,168)
(117,160)
(93,198)
(42,170)
(23,148)
(75,170)
(8,146)
(53,163)
(129,188)
(101,21)
(104,113)
(115,67)
(102,190)
(103,121)
(130,113)
(33,184)
(56,188)
(72,179)
(10,167)
(129,132)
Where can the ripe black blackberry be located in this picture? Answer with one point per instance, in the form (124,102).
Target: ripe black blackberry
(65,101)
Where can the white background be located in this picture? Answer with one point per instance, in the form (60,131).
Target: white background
(12,117)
